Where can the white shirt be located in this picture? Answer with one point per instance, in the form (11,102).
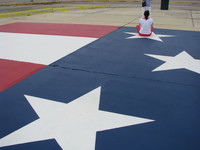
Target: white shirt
(145,26)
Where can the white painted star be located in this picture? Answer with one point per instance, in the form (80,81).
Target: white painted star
(180,61)
(152,37)
(73,125)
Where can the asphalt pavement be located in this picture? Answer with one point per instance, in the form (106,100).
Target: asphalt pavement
(95,78)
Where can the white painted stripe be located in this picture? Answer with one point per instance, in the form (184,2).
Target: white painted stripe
(40,49)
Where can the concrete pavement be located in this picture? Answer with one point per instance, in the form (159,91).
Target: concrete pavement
(119,14)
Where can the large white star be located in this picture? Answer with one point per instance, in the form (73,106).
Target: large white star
(152,37)
(73,125)
(180,61)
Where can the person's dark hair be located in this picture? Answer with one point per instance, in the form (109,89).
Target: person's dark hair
(146,14)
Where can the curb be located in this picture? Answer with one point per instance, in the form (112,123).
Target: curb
(49,10)
(57,2)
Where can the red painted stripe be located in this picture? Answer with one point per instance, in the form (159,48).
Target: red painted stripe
(13,71)
(95,31)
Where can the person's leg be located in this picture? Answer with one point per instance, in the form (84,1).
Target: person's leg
(150,15)
(152,28)
(143,10)
(137,27)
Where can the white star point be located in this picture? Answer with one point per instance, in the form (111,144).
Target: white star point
(78,120)
(181,61)
(153,36)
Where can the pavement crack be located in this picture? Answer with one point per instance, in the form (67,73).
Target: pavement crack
(123,76)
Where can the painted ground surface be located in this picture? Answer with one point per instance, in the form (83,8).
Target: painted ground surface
(87,87)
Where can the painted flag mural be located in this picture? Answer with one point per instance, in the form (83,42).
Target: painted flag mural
(90,87)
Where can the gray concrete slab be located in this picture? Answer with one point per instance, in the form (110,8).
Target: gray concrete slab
(119,14)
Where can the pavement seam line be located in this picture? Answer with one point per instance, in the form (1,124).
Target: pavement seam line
(192,18)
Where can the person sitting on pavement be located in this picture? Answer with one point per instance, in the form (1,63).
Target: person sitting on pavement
(145,26)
